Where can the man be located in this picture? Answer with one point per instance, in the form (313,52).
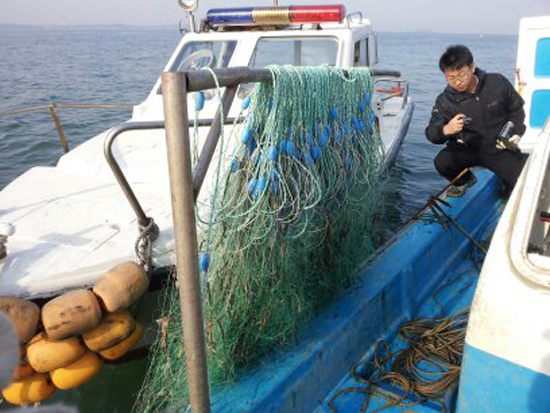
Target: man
(469,116)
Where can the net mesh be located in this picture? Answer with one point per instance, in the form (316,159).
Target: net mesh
(291,214)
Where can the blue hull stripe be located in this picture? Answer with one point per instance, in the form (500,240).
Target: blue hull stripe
(491,384)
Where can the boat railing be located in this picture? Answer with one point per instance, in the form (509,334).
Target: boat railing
(400,89)
(185,185)
(196,81)
(52,107)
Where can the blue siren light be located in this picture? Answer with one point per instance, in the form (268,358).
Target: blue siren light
(276,15)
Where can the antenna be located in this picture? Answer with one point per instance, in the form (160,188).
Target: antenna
(189,6)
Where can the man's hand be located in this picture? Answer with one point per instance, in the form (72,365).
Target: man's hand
(455,125)
(511,143)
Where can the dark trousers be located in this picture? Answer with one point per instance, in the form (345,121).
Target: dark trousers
(506,164)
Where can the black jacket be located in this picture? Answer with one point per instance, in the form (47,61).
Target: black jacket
(493,103)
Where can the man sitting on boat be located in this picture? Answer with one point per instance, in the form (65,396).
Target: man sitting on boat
(470,116)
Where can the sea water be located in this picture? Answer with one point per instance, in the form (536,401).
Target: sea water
(119,65)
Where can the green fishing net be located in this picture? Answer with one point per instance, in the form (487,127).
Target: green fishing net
(290,215)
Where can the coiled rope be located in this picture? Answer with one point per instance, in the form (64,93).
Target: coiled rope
(427,368)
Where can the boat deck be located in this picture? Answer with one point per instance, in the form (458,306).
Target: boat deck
(453,296)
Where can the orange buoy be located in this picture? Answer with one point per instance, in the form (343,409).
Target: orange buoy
(77,373)
(45,355)
(71,314)
(121,286)
(124,346)
(24,314)
(32,389)
(114,328)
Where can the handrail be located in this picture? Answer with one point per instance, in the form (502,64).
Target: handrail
(52,108)
(196,81)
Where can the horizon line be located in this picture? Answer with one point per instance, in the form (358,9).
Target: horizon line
(114,25)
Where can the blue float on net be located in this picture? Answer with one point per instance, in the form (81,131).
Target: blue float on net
(251,186)
(246,136)
(333,114)
(272,153)
(204,262)
(315,152)
(283,146)
(323,140)
(361,106)
(262,182)
(355,123)
(253,145)
(234,165)
(199,100)
(246,102)
(290,147)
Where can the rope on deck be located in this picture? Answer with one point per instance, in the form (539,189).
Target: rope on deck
(427,368)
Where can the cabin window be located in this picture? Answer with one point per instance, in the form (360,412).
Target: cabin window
(196,55)
(293,51)
(356,53)
(542,58)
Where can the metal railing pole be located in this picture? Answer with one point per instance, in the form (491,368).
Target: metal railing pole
(183,210)
(212,140)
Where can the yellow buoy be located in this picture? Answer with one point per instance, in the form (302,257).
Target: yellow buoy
(114,328)
(77,373)
(124,346)
(32,389)
(71,314)
(45,355)
(24,314)
(121,286)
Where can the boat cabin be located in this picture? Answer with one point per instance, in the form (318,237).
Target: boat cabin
(234,44)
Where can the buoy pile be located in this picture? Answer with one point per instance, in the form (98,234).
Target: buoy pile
(64,344)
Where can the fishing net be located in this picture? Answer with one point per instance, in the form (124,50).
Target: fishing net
(291,213)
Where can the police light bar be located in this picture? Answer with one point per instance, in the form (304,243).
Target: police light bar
(275,15)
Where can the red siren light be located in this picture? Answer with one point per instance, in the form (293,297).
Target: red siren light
(317,14)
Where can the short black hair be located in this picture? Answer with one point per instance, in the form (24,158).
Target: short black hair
(455,57)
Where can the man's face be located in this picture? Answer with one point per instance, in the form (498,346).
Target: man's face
(460,79)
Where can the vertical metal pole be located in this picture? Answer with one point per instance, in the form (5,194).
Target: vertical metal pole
(59,129)
(211,142)
(183,209)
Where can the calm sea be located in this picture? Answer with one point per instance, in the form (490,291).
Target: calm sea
(42,65)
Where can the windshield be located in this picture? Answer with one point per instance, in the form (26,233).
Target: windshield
(195,55)
(297,52)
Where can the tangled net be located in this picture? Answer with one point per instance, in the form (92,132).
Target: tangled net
(290,215)
(426,368)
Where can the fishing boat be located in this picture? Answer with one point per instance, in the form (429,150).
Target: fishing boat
(506,364)
(72,227)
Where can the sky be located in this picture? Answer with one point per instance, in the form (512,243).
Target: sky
(444,16)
